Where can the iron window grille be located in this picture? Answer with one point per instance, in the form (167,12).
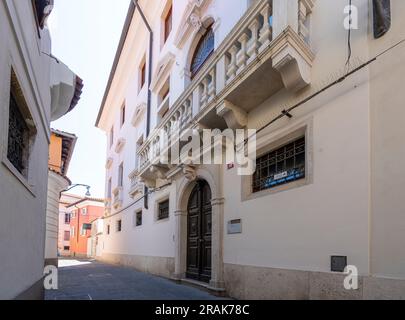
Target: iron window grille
(138,222)
(281,166)
(203,51)
(18,137)
(163,210)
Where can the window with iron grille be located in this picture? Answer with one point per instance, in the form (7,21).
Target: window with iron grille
(163,210)
(138,219)
(281,166)
(18,137)
(203,51)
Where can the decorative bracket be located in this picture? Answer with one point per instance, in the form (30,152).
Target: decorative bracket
(235,117)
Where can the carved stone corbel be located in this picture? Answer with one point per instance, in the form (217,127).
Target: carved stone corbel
(159,172)
(293,59)
(235,117)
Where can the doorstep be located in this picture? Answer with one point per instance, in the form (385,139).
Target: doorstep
(219,292)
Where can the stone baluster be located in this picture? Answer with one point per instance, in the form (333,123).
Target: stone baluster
(302,22)
(242,54)
(266,30)
(253,45)
(204,92)
(231,72)
(211,87)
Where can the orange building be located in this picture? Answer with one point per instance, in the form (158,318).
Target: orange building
(61,149)
(83,213)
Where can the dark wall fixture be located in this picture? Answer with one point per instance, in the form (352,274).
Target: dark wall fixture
(43,9)
(382,17)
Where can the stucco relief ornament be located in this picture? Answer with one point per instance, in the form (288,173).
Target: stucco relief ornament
(190,173)
(195,21)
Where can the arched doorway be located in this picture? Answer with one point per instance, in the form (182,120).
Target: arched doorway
(199,232)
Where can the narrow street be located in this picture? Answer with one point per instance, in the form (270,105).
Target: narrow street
(92,280)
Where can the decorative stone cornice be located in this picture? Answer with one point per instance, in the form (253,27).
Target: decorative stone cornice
(138,113)
(120,145)
(162,71)
(109,163)
(191,21)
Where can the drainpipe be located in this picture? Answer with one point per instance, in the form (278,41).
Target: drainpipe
(145,21)
(149,104)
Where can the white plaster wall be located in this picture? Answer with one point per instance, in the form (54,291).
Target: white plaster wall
(301,228)
(154,238)
(353,207)
(388,151)
(56,184)
(22,209)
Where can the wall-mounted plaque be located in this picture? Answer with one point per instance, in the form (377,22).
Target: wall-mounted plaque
(235,226)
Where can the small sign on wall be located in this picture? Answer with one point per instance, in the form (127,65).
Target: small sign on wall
(235,226)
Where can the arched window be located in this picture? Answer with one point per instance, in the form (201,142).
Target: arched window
(203,51)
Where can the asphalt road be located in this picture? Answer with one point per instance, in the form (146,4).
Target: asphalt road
(90,280)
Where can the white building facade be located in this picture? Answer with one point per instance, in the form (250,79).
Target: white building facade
(35,89)
(326,191)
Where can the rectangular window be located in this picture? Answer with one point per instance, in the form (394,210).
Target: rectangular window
(66,236)
(281,166)
(111,136)
(109,188)
(18,137)
(67,218)
(122,114)
(168,23)
(119,225)
(143,74)
(84,211)
(121,175)
(138,219)
(66,248)
(163,210)
(108,229)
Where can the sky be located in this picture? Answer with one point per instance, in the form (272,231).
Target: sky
(85,35)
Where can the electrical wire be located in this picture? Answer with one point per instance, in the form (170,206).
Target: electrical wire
(151,191)
(349,37)
(285,112)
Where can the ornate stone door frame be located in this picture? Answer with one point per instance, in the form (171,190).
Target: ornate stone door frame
(185,185)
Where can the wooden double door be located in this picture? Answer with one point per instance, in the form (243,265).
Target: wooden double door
(199,233)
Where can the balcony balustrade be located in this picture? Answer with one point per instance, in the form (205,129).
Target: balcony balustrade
(267,51)
(118,198)
(136,189)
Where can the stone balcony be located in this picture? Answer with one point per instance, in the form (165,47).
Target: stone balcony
(118,198)
(137,187)
(267,51)
(107,206)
